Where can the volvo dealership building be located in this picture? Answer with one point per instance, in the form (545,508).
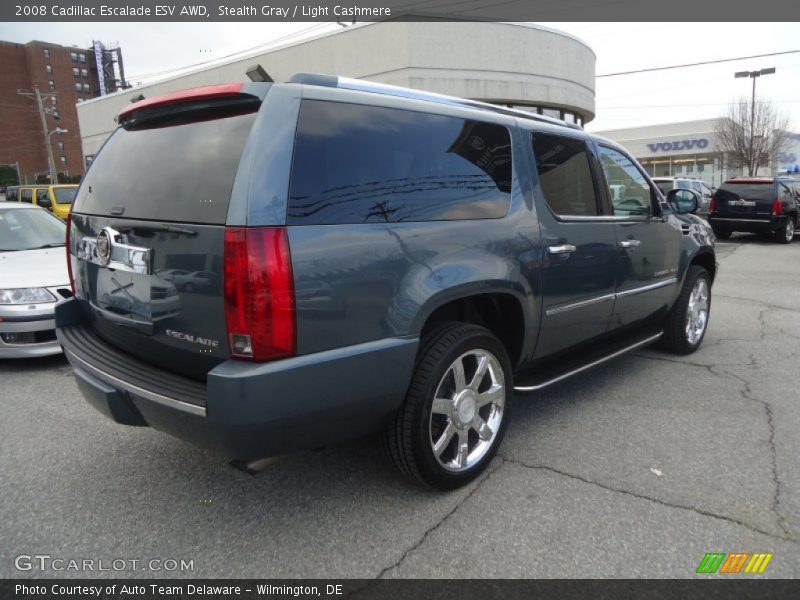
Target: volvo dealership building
(689,149)
(525,66)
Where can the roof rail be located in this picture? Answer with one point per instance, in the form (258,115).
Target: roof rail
(360,85)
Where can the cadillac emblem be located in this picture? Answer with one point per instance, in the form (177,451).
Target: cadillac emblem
(103,247)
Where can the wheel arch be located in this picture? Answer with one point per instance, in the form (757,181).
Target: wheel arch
(500,310)
(706,258)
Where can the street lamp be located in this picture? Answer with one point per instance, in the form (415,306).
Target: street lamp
(53,174)
(753,75)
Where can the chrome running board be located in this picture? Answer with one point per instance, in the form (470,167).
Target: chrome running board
(635,346)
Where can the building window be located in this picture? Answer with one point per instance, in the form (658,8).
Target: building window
(82,57)
(49,69)
(89,159)
(63,159)
(86,88)
(84,73)
(60,145)
(73,56)
(52,85)
(46,54)
(75,71)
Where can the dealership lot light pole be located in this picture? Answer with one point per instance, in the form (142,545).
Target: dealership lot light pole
(753,75)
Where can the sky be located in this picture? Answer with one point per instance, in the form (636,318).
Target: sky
(151,50)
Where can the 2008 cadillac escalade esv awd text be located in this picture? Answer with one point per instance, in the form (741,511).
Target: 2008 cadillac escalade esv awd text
(374,259)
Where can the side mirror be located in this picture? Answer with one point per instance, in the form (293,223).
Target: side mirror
(683,201)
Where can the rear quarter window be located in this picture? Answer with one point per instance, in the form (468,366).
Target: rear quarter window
(365,164)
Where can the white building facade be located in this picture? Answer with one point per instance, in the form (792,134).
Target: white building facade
(689,149)
(525,66)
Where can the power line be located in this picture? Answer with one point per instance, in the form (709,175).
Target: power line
(697,64)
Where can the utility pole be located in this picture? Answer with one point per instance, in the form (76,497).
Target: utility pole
(753,166)
(43,112)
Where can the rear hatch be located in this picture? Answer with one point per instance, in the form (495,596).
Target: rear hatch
(745,199)
(148,228)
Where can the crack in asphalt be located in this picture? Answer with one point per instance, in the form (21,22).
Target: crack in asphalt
(747,394)
(609,488)
(441,521)
(759,303)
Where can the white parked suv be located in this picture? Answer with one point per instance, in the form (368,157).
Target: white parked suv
(666,184)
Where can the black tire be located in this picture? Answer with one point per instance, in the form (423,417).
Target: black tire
(408,441)
(676,339)
(785,234)
(722,234)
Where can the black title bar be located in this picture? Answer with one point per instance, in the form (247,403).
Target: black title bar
(348,11)
(485,589)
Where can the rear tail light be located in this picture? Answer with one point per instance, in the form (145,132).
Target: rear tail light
(777,207)
(69,258)
(259,293)
(712,204)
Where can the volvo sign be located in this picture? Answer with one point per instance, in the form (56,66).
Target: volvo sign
(699,143)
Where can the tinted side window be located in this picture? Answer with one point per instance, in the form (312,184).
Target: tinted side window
(564,175)
(634,195)
(26,196)
(366,164)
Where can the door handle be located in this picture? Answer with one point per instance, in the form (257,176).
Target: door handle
(630,243)
(562,249)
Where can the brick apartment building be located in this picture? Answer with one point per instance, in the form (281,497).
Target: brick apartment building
(71,74)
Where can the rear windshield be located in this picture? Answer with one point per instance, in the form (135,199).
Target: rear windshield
(65,195)
(182,172)
(750,191)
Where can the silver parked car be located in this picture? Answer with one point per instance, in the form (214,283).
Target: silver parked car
(33,279)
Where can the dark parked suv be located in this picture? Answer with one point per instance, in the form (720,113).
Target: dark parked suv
(757,205)
(383,260)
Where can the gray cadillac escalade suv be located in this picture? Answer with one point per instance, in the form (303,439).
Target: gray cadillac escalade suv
(364,258)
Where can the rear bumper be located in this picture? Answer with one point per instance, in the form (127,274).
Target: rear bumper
(247,410)
(750,225)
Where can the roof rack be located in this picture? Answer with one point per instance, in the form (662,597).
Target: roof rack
(360,85)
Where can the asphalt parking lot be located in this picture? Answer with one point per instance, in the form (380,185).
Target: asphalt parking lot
(634,470)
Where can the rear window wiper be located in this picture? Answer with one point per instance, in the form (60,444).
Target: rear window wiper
(160,229)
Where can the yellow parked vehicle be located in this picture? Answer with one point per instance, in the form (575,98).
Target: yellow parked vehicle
(55,198)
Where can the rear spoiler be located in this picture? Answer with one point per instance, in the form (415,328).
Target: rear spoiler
(242,92)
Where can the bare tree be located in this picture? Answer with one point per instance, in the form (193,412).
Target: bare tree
(752,134)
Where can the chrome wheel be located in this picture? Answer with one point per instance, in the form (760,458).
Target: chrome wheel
(467,410)
(789,230)
(697,312)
